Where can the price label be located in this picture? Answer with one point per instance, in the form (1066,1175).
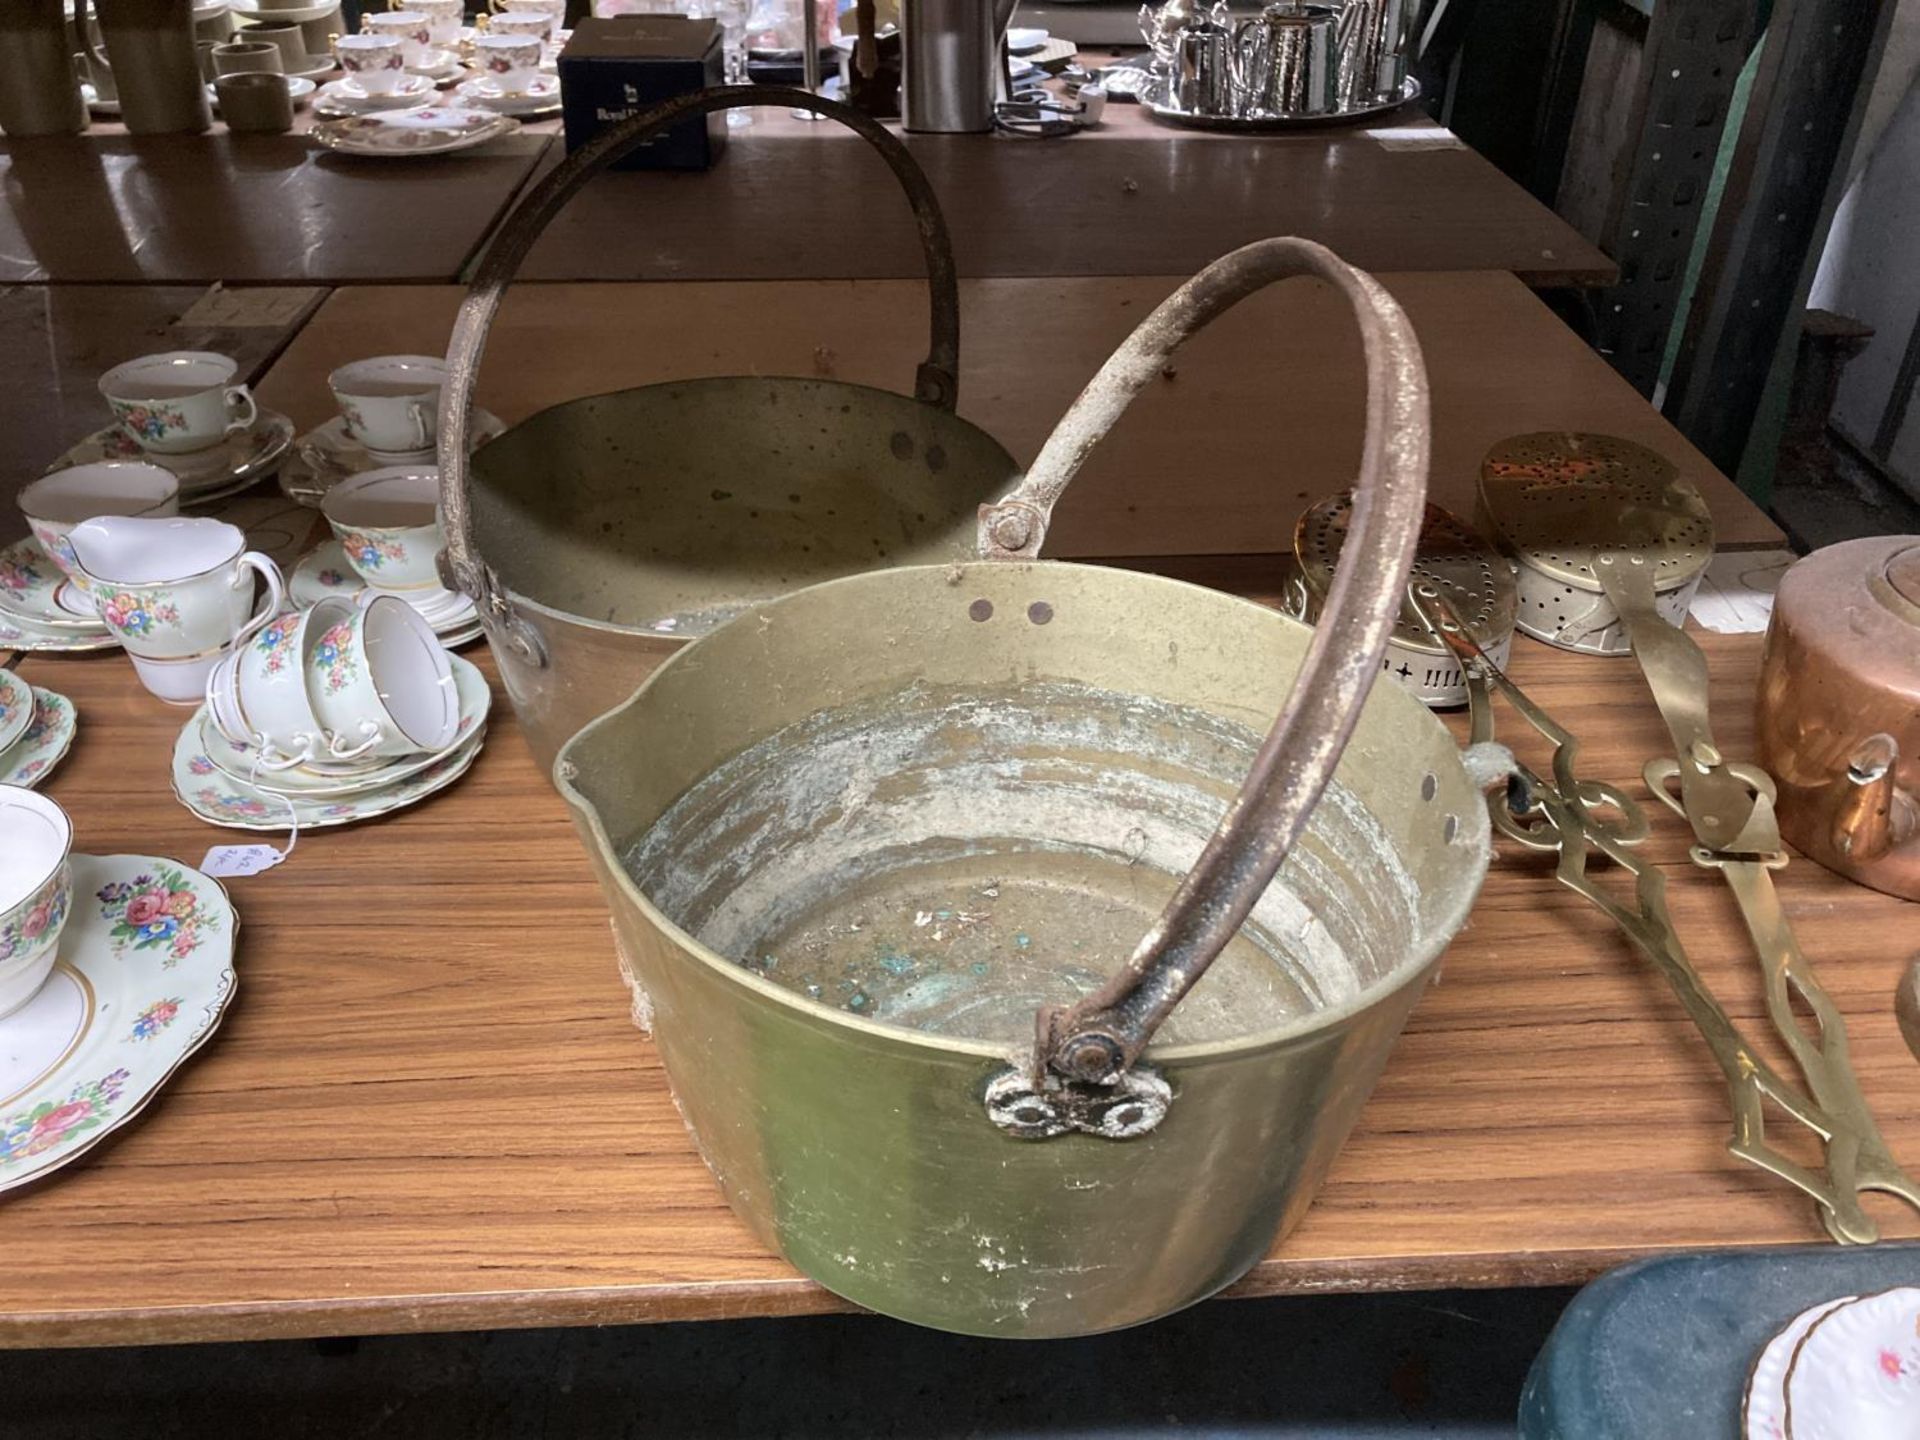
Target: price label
(224,861)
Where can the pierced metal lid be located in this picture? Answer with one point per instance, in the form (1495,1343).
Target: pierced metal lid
(1557,500)
(1451,556)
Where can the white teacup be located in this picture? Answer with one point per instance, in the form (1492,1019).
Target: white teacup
(444,18)
(391,403)
(376,63)
(509,61)
(412,29)
(382,684)
(521,20)
(58,501)
(387,522)
(177,594)
(178,402)
(36,889)
(257,695)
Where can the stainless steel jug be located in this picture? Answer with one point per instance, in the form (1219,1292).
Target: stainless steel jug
(1203,70)
(1373,50)
(1285,62)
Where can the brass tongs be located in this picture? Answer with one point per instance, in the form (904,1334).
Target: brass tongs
(1577,818)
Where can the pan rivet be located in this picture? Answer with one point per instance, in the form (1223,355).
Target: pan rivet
(981,609)
(1449,828)
(1011,531)
(1040,612)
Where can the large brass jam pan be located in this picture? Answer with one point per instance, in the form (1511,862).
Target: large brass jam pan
(600,535)
(1009,980)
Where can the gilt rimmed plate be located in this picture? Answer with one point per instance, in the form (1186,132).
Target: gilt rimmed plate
(33,588)
(27,570)
(402,134)
(1763,1414)
(43,744)
(1856,1373)
(16,708)
(339,99)
(541,97)
(220,799)
(205,475)
(144,976)
(326,455)
(235,762)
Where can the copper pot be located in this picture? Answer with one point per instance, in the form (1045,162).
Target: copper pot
(1840,710)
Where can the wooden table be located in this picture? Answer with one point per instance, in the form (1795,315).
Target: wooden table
(791,200)
(61,338)
(1260,416)
(246,209)
(429,1109)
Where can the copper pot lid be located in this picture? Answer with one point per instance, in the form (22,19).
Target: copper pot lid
(1899,587)
(1557,499)
(1451,556)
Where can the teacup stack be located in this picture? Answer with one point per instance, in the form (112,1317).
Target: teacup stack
(36,884)
(387,527)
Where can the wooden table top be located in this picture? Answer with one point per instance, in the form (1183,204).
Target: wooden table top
(1260,417)
(246,209)
(790,199)
(429,1108)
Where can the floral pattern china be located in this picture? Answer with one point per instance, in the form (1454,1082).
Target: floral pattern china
(116,1018)
(327,454)
(16,708)
(1856,1374)
(427,130)
(223,469)
(30,586)
(324,571)
(42,745)
(46,911)
(149,420)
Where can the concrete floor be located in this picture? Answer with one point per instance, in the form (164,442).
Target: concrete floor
(1345,1367)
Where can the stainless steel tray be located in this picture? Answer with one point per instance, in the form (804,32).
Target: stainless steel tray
(1165,109)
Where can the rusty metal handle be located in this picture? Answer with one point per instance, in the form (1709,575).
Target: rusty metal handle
(936,382)
(1094,1041)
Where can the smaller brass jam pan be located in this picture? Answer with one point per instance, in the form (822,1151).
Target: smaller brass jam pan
(600,535)
(1010,982)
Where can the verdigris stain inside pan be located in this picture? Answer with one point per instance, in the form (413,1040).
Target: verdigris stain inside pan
(947,860)
(669,508)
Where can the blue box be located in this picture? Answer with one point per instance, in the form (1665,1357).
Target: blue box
(617,67)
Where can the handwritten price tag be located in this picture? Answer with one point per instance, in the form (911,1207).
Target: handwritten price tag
(224,861)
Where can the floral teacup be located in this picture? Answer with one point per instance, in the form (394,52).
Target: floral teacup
(391,403)
(444,18)
(35,888)
(179,402)
(385,520)
(376,63)
(176,593)
(58,501)
(381,682)
(522,20)
(257,695)
(510,61)
(413,30)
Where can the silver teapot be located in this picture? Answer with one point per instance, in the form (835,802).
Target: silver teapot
(1285,60)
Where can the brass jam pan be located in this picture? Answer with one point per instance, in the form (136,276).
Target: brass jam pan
(1452,557)
(1559,501)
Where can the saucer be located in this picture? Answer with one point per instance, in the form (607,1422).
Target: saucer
(145,974)
(1856,1375)
(205,475)
(30,585)
(542,97)
(324,571)
(342,98)
(221,799)
(235,762)
(439,66)
(33,588)
(43,744)
(298,89)
(16,708)
(53,639)
(326,455)
(1763,1414)
(401,134)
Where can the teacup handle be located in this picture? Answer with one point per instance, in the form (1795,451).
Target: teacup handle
(374,736)
(276,591)
(286,761)
(240,397)
(421,413)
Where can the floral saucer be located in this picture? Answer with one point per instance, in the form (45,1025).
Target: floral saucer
(28,580)
(440,66)
(1763,1414)
(144,976)
(33,588)
(399,134)
(338,99)
(236,761)
(16,708)
(324,571)
(541,97)
(326,455)
(211,474)
(1856,1373)
(221,799)
(43,744)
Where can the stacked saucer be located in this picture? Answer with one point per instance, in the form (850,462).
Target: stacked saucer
(36,729)
(332,714)
(182,411)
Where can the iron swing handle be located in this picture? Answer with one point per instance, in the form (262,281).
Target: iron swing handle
(935,382)
(1094,1041)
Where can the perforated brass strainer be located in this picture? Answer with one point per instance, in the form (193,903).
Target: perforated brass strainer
(1452,557)
(1558,501)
